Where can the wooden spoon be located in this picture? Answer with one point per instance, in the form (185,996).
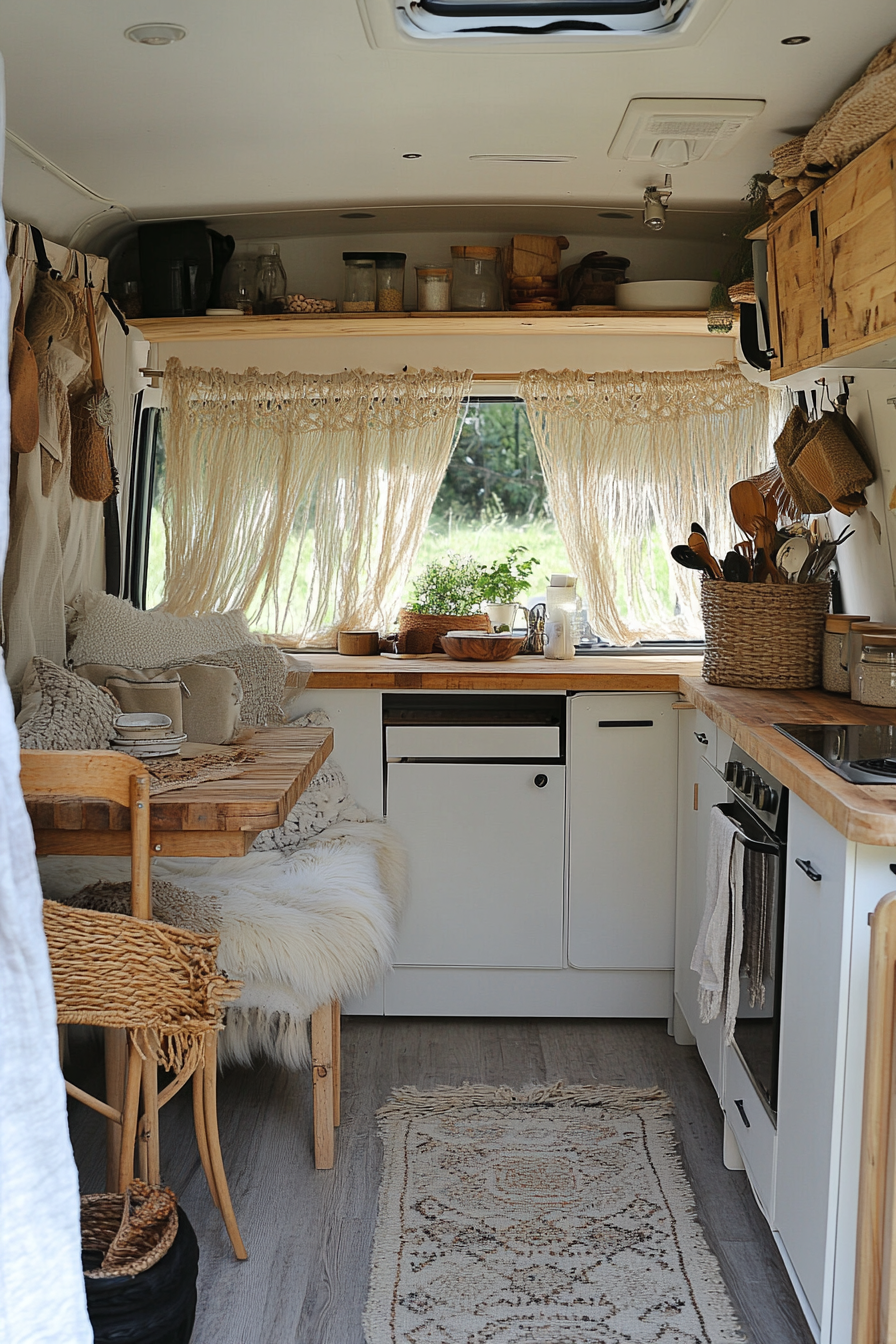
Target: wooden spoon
(747,505)
(700,546)
(766,540)
(688,559)
(771,507)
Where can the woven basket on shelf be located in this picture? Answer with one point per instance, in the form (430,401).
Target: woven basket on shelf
(767,635)
(132,1231)
(440,625)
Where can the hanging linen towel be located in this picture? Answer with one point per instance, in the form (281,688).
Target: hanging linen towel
(758,884)
(717,955)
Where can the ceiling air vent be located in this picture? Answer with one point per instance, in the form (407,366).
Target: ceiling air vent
(540,25)
(676,131)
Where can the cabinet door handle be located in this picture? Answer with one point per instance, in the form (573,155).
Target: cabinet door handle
(743,1114)
(702,739)
(812,873)
(540,781)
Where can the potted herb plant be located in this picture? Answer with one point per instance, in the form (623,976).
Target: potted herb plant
(500,586)
(445,597)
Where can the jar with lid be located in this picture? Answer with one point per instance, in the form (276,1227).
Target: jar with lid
(835,653)
(856,637)
(877,670)
(270,280)
(238,284)
(390,281)
(359,295)
(433,289)
(477,280)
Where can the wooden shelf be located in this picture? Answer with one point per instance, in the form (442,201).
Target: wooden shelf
(291,326)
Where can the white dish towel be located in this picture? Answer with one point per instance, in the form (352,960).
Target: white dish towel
(717,954)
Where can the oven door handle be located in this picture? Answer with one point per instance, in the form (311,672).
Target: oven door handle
(748,842)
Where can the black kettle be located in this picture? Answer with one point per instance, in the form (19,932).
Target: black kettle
(181,265)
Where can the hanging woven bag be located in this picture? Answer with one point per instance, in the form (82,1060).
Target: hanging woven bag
(92,416)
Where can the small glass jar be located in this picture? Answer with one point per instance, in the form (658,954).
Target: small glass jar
(433,289)
(359,295)
(390,281)
(238,284)
(877,670)
(857,635)
(835,654)
(270,280)
(477,280)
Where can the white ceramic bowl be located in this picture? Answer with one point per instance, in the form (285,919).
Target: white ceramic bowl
(141,725)
(673,295)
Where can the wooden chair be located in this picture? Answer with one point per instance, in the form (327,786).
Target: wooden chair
(154,988)
(326,1081)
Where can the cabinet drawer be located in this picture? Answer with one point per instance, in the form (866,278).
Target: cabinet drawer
(452,741)
(753,1129)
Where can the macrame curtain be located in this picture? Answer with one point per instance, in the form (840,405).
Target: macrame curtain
(264,472)
(630,460)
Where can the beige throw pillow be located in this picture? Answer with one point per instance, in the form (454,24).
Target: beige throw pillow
(261,669)
(63,712)
(209,696)
(109,630)
(160,696)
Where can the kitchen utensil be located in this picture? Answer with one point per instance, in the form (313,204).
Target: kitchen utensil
(747,505)
(792,556)
(736,568)
(688,559)
(475,646)
(699,545)
(695,527)
(771,507)
(141,725)
(817,563)
(767,541)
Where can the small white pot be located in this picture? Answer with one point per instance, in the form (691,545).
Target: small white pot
(504,613)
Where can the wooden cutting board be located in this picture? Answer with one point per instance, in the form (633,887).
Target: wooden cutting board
(534,254)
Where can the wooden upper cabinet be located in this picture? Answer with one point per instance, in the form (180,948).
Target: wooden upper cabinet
(859,218)
(797,287)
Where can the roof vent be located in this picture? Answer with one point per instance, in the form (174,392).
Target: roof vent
(540,25)
(676,131)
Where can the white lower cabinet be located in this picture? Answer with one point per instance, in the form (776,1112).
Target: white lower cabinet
(623,755)
(753,1130)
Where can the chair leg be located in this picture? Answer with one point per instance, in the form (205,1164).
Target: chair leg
(127,1133)
(116,1044)
(322,1086)
(201,1137)
(210,1107)
(150,1166)
(337,1063)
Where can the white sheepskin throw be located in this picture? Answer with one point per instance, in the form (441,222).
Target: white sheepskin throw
(299,928)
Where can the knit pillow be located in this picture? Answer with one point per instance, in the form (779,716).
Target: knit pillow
(326,802)
(63,712)
(109,630)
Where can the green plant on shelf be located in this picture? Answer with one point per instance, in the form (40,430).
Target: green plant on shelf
(449,587)
(506,579)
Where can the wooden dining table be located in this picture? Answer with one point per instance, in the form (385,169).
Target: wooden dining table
(216,818)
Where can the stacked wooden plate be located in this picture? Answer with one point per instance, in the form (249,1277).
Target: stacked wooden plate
(531,293)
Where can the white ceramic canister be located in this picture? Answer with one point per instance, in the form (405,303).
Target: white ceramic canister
(835,653)
(857,633)
(877,670)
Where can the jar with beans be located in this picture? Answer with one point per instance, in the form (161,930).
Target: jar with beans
(390,281)
(360,282)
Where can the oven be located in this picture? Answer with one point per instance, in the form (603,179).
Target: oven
(757,803)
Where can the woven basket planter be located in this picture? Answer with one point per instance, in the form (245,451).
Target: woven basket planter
(435,626)
(132,1231)
(767,635)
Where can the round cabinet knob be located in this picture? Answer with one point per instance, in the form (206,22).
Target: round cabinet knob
(540,781)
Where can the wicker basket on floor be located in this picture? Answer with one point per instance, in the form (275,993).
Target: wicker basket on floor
(764,635)
(131,1231)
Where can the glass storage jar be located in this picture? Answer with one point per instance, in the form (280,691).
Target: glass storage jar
(835,654)
(390,281)
(857,635)
(270,280)
(433,289)
(359,295)
(877,670)
(477,280)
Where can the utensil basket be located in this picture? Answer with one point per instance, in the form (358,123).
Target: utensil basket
(767,635)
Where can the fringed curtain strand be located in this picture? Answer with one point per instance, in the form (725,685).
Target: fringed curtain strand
(630,460)
(266,471)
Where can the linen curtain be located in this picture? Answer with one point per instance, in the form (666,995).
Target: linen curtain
(631,460)
(302,498)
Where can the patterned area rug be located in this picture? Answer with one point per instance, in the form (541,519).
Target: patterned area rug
(557,1216)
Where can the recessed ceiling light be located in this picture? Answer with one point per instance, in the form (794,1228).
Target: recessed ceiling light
(614,214)
(155,34)
(794,41)
(357,214)
(525,158)
(412,156)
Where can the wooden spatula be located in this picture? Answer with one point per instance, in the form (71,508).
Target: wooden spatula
(700,546)
(747,505)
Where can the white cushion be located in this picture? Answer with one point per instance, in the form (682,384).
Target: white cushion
(109,630)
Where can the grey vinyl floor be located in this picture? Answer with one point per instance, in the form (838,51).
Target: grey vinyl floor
(309,1233)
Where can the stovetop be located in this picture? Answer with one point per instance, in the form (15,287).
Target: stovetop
(862,753)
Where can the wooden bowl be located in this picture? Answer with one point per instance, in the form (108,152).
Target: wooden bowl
(358,643)
(483,648)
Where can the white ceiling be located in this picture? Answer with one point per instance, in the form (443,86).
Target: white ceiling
(285,107)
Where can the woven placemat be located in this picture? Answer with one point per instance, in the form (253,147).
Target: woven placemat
(179,772)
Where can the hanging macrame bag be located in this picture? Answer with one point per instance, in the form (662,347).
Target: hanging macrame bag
(92,417)
(24,406)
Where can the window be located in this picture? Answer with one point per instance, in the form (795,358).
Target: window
(449,18)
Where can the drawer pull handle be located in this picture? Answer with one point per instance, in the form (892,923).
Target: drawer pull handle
(702,739)
(743,1114)
(625,723)
(540,781)
(812,873)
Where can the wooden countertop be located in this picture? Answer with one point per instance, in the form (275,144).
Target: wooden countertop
(436,673)
(864,813)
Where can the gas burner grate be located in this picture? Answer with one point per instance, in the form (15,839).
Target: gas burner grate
(884,765)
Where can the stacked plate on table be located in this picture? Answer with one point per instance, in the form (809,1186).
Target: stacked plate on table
(146,736)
